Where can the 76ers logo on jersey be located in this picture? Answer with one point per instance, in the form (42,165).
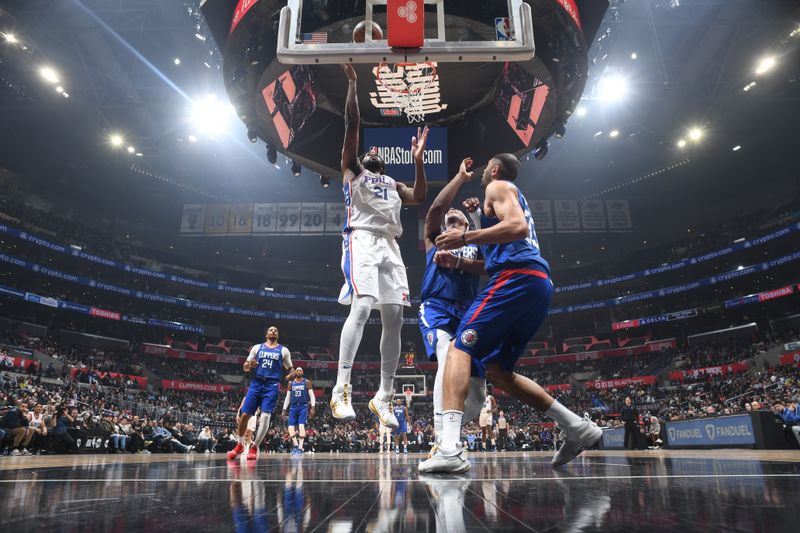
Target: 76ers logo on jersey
(469,337)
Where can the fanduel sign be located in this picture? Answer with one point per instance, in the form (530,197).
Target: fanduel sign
(734,430)
(394,147)
(613,438)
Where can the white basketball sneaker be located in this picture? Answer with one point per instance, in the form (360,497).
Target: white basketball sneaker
(341,405)
(577,440)
(382,407)
(445,464)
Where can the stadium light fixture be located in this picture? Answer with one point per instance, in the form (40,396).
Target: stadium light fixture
(681,143)
(325,181)
(210,115)
(49,74)
(612,88)
(131,149)
(613,133)
(10,38)
(737,148)
(765,64)
(59,89)
(272,153)
(634,56)
(177,61)
(192,139)
(695,134)
(116,140)
(296,168)
(580,111)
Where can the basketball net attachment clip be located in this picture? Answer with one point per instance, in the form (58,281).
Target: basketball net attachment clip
(407,85)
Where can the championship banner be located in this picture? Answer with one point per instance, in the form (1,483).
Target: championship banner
(194,386)
(193,219)
(216,222)
(141,380)
(9,361)
(394,147)
(722,370)
(542,211)
(733,430)
(312,219)
(264,218)
(603,384)
(619,215)
(240,219)
(593,216)
(568,219)
(790,359)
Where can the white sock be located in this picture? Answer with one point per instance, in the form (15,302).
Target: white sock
(392,323)
(451,432)
(565,418)
(437,427)
(442,345)
(352,331)
(300,444)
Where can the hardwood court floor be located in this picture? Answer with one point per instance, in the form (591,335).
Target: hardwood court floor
(720,490)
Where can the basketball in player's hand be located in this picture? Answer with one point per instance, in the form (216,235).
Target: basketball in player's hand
(360,31)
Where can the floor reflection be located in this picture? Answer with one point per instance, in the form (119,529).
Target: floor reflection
(383,494)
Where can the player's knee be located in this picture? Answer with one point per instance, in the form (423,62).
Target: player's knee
(497,375)
(302,431)
(360,310)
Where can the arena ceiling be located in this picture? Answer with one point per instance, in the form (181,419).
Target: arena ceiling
(117,61)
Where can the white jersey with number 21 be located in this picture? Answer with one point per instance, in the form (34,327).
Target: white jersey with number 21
(373,204)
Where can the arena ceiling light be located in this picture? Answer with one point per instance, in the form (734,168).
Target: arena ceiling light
(695,134)
(296,169)
(634,56)
(49,74)
(612,88)
(192,139)
(737,148)
(681,143)
(613,133)
(765,64)
(210,114)
(10,38)
(177,61)
(131,150)
(116,140)
(580,111)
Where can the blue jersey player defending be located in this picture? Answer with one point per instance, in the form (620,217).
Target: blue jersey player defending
(506,314)
(404,421)
(449,287)
(267,361)
(296,408)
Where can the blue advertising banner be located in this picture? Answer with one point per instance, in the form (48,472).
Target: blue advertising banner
(614,439)
(736,430)
(394,146)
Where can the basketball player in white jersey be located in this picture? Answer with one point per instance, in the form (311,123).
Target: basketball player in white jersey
(485,420)
(374,271)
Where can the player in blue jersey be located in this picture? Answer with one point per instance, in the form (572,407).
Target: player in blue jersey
(298,407)
(449,286)
(404,421)
(502,319)
(266,361)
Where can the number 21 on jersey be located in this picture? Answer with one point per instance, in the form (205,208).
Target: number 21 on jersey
(381,193)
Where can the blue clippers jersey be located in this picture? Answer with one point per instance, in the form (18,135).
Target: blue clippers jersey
(517,253)
(270,363)
(400,413)
(450,284)
(299,393)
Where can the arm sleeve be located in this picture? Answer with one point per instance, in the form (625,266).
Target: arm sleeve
(286,401)
(253,353)
(287,358)
(311,399)
(476,218)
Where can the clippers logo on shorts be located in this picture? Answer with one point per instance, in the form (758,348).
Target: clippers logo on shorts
(408,12)
(469,337)
(429,337)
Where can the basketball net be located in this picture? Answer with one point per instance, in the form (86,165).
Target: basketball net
(408,394)
(406,85)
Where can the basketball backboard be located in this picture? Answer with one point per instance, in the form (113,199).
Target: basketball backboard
(442,41)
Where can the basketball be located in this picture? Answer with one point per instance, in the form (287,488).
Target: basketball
(360,31)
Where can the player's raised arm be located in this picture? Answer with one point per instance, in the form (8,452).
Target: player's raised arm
(287,360)
(284,414)
(442,202)
(417,194)
(501,197)
(445,259)
(352,123)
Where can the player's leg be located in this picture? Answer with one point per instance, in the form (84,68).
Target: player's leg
(268,401)
(350,339)
(249,407)
(302,420)
(443,340)
(392,323)
(302,436)
(293,436)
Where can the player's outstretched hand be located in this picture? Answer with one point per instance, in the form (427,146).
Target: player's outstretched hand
(463,170)
(450,240)
(418,143)
(445,259)
(284,415)
(312,412)
(251,365)
(350,71)
(472,204)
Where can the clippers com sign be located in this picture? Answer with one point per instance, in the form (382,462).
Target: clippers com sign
(394,147)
